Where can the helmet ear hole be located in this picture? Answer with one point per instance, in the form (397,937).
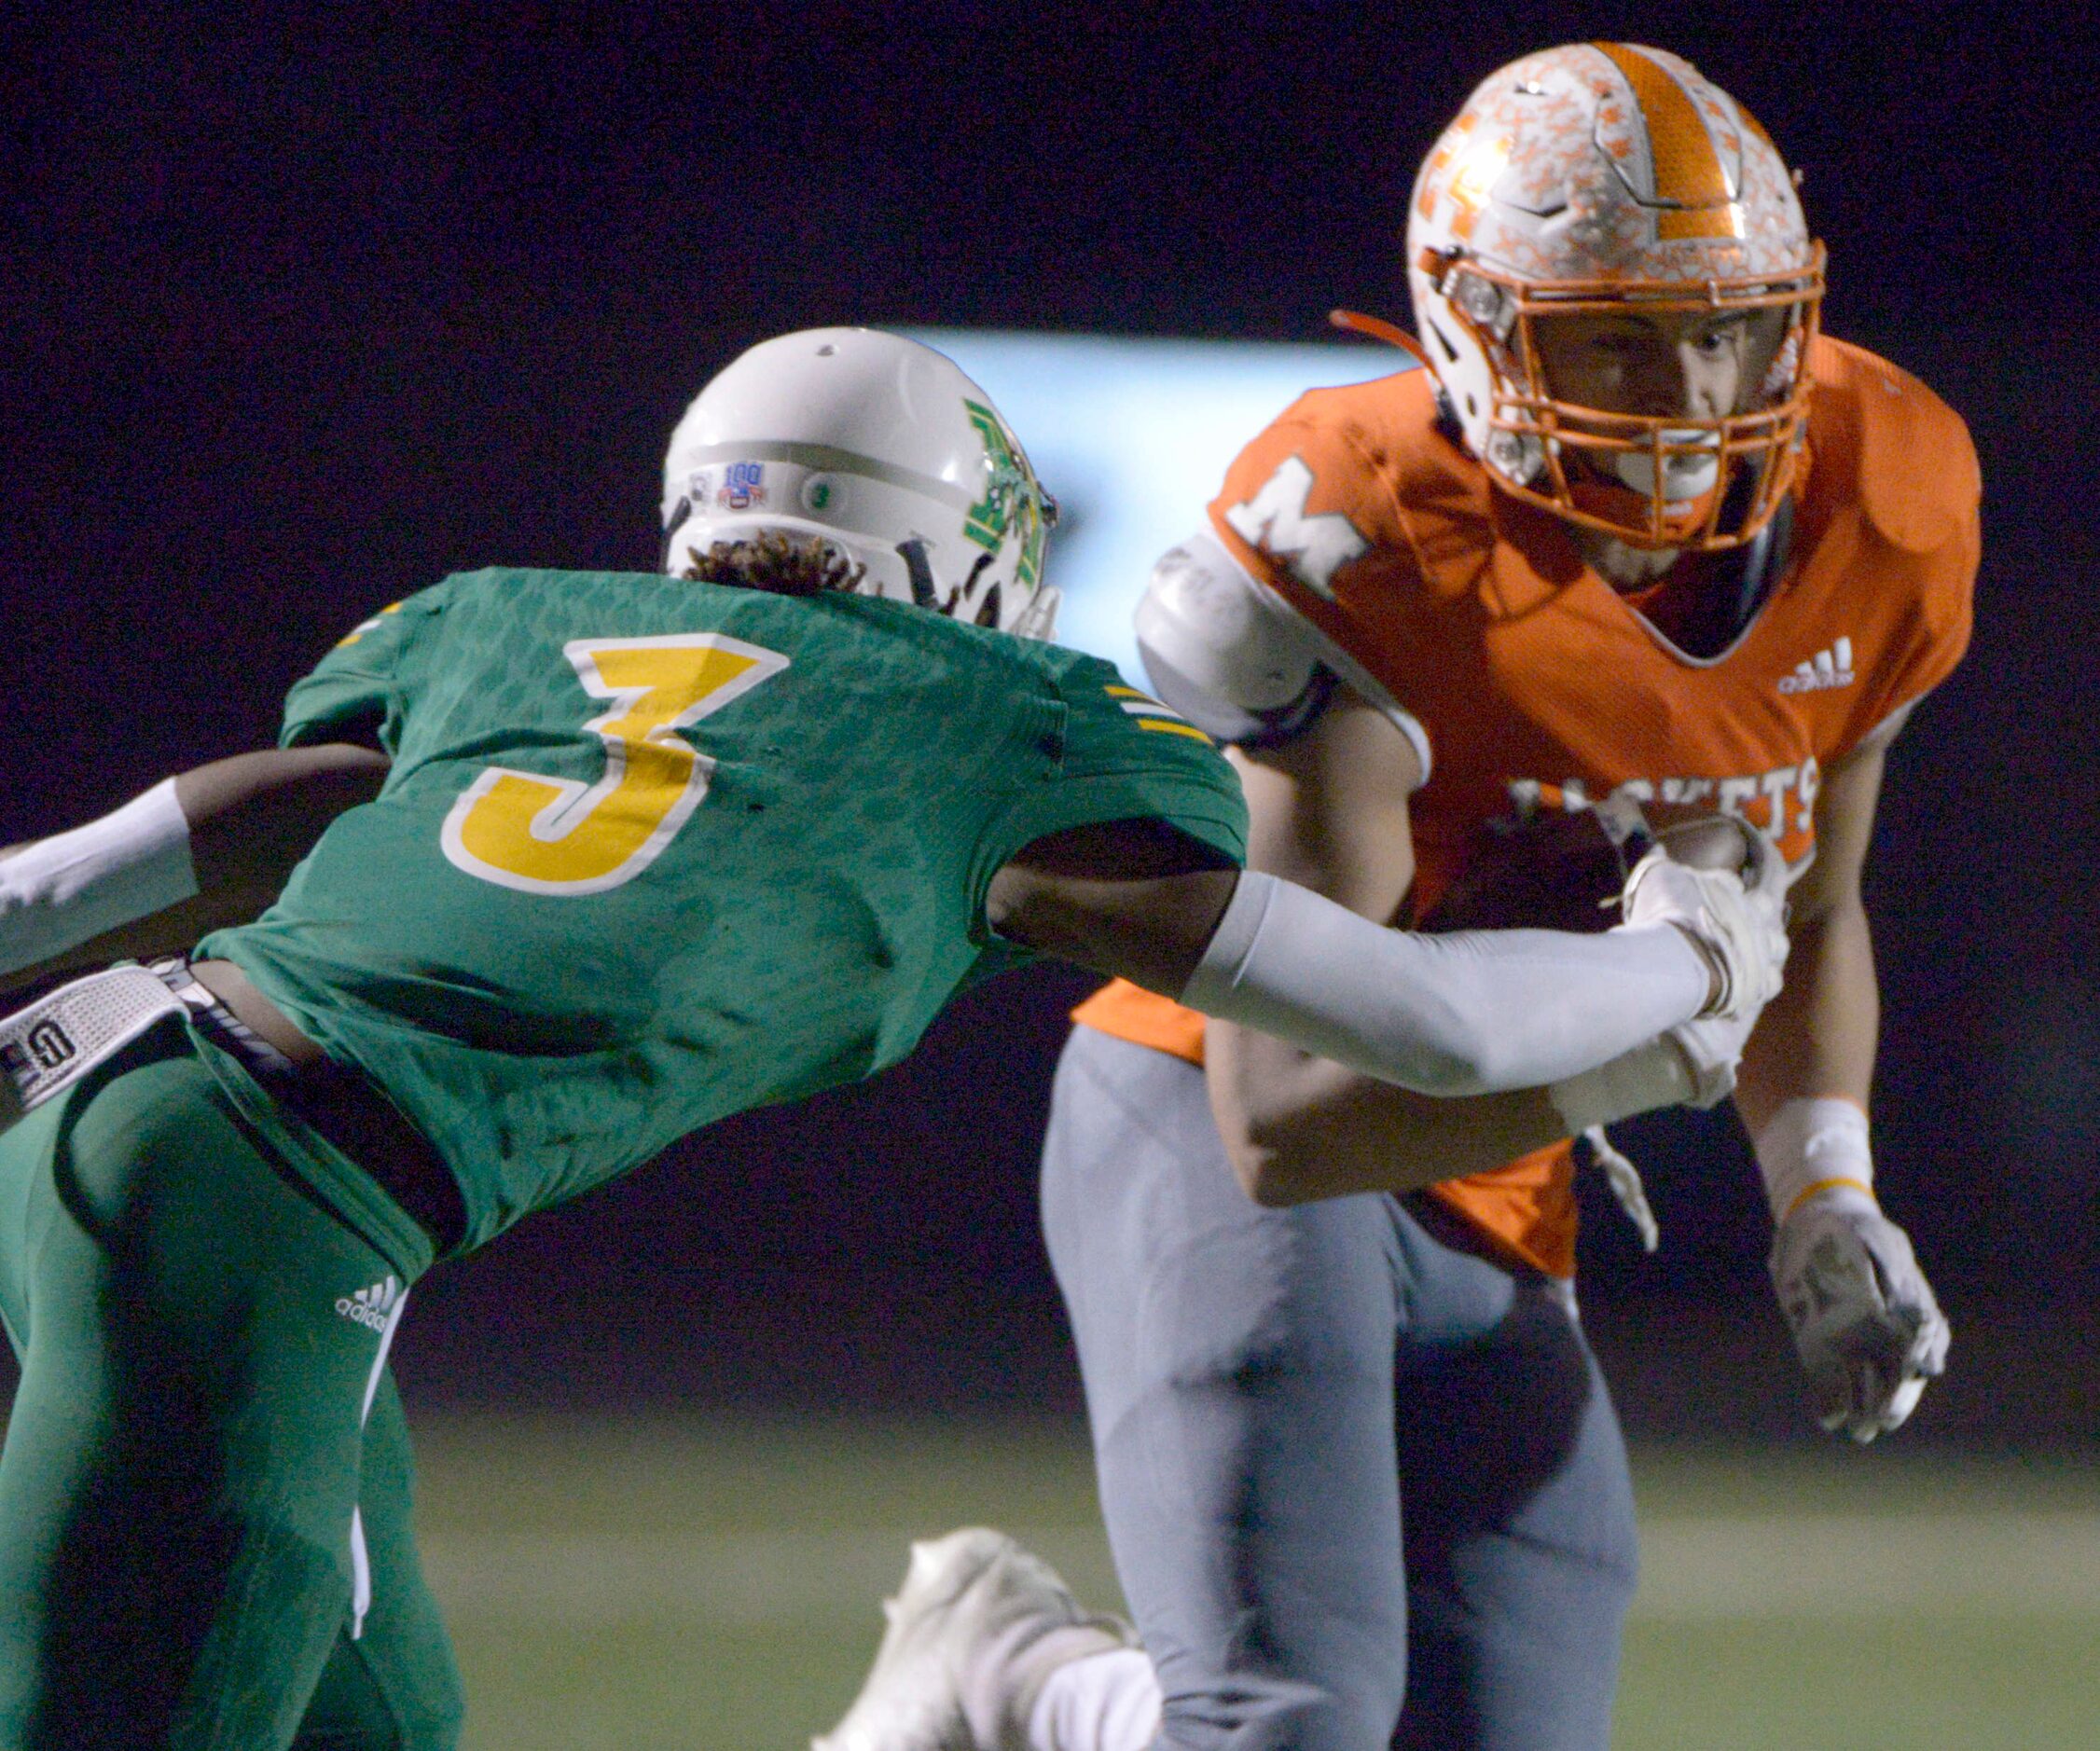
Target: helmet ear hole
(987,610)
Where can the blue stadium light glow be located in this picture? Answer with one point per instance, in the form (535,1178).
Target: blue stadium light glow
(1133,439)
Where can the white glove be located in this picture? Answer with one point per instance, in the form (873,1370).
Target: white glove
(1864,1322)
(1711,1049)
(1740,928)
(1737,922)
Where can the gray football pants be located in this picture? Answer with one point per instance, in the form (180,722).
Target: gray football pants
(1274,1394)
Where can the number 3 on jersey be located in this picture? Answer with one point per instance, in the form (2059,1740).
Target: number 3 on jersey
(560,836)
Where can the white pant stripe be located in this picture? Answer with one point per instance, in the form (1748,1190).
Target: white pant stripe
(360,1559)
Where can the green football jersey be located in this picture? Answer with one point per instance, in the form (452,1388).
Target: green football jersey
(653,852)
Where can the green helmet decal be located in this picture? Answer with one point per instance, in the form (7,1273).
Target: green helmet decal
(1013,501)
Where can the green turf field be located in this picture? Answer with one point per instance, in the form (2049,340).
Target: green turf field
(634,1585)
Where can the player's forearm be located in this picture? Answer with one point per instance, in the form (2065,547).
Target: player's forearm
(1471,1012)
(1474,1013)
(1817,1036)
(212,850)
(253,817)
(1297,1127)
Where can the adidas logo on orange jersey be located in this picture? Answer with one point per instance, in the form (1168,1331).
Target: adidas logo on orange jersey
(371,1306)
(1825,668)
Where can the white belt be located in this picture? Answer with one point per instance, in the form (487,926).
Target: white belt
(50,1045)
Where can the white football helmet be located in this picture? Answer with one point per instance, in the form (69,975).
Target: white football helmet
(1603,178)
(882,448)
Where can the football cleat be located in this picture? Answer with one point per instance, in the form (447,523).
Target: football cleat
(976,1629)
(884,450)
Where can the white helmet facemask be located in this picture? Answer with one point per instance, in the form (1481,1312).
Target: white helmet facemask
(879,448)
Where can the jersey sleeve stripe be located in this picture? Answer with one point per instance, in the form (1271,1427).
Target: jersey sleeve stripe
(363,627)
(1176,729)
(1153,716)
(1136,701)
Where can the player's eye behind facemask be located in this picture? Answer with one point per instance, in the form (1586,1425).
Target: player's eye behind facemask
(1601,180)
(882,451)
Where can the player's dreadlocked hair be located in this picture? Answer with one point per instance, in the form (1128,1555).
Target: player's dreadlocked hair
(778,563)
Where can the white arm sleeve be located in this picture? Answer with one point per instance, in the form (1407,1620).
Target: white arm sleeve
(1464,1014)
(58,892)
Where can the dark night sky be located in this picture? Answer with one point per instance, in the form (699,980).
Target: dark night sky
(305,308)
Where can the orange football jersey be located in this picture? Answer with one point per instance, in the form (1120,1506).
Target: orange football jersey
(1535,683)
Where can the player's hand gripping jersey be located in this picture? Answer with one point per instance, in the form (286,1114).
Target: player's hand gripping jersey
(1527,681)
(653,852)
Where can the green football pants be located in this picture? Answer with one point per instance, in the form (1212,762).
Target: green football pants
(205,1490)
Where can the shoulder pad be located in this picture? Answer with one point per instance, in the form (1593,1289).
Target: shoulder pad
(1223,652)
(1918,480)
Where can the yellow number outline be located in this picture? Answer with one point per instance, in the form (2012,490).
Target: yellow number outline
(545,835)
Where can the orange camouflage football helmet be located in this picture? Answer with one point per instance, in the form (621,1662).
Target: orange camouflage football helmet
(1603,178)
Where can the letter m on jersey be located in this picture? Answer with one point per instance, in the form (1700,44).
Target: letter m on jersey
(1313,548)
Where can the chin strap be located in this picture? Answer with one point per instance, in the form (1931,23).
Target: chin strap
(917,567)
(1378,328)
(681,514)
